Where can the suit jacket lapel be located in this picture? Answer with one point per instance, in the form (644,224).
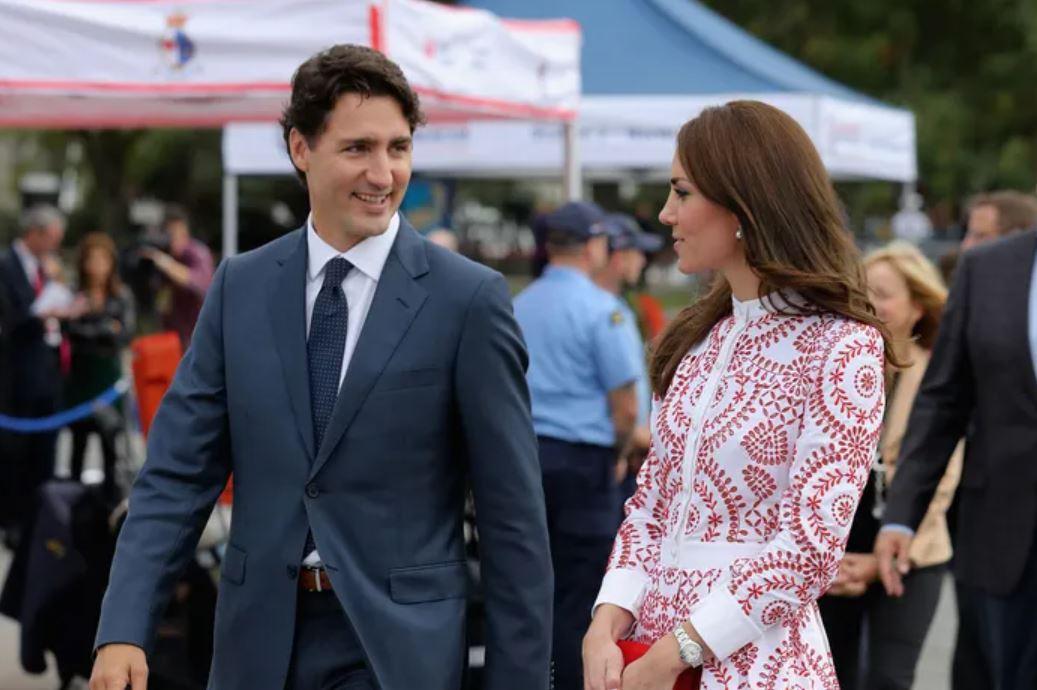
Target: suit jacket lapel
(287,303)
(397,300)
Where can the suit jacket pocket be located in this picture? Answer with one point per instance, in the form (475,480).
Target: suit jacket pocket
(413,378)
(233,569)
(422,583)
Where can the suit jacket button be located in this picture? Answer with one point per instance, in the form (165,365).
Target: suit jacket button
(293,572)
(312,491)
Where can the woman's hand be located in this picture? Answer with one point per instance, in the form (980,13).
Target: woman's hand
(657,669)
(856,573)
(602,658)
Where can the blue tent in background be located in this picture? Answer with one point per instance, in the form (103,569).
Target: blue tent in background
(649,65)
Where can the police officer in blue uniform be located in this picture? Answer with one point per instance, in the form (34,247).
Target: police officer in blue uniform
(582,380)
(628,247)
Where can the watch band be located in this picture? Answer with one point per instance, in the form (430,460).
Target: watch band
(690,650)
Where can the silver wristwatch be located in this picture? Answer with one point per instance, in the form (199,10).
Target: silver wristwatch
(691,651)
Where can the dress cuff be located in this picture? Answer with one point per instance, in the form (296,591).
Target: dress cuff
(722,625)
(624,588)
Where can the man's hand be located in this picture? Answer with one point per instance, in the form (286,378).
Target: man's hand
(119,665)
(891,549)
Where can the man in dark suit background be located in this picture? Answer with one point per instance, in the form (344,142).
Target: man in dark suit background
(34,380)
(981,385)
(355,378)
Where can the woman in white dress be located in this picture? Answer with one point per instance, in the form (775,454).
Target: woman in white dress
(768,401)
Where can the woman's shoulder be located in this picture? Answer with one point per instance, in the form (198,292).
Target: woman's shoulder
(836,327)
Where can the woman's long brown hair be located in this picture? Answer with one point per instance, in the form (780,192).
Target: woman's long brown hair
(103,242)
(759,164)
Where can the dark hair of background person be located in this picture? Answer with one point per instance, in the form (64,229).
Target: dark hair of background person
(174,213)
(94,241)
(758,163)
(319,82)
(1015,211)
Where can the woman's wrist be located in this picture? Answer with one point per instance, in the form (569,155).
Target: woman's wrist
(612,621)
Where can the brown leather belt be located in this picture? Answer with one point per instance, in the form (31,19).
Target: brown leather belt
(314,580)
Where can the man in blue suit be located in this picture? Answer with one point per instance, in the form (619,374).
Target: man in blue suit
(355,379)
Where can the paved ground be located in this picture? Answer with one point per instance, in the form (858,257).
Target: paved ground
(933,669)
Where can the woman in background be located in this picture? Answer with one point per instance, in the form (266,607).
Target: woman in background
(909,296)
(98,337)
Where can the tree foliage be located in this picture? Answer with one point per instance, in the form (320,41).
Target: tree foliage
(965,68)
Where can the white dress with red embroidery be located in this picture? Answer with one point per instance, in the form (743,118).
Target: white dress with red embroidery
(760,451)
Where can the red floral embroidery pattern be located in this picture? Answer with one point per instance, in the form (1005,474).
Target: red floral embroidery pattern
(781,454)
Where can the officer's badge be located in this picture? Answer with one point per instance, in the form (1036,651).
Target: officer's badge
(616,318)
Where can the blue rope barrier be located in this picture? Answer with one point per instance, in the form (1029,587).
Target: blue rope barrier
(22,425)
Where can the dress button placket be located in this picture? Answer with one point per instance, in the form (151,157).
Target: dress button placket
(698,414)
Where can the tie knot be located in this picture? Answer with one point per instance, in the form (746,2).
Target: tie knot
(336,271)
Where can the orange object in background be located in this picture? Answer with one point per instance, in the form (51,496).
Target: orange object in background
(653,318)
(155,358)
(227,495)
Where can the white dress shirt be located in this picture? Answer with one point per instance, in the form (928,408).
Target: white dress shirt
(368,258)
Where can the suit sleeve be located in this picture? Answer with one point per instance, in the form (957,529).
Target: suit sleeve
(501,448)
(187,465)
(19,321)
(940,413)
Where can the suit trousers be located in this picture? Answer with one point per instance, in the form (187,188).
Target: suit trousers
(997,635)
(326,653)
(583,517)
(887,632)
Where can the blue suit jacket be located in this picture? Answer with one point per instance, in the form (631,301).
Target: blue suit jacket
(434,398)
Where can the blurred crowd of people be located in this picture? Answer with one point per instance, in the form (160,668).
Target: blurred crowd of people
(64,333)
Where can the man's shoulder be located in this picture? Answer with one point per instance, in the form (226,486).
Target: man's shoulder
(1000,249)
(270,253)
(452,272)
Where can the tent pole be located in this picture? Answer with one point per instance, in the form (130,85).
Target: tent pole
(230,215)
(573,165)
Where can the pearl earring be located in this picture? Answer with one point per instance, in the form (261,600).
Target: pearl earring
(738,233)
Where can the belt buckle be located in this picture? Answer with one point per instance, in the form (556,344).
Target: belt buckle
(316,570)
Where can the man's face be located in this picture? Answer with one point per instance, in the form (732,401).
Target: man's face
(358,169)
(633,262)
(43,241)
(984,225)
(179,236)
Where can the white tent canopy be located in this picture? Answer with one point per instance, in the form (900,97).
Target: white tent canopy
(127,63)
(856,140)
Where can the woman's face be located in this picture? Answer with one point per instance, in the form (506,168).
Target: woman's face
(889,292)
(703,232)
(98,266)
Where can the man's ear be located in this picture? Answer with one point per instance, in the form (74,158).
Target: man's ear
(299,149)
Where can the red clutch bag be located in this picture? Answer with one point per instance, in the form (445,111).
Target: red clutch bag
(689,680)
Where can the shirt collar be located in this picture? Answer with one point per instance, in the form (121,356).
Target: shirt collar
(368,256)
(788,301)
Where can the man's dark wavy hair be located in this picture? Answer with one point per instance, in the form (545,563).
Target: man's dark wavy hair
(327,76)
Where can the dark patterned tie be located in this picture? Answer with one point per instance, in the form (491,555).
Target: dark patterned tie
(324,351)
